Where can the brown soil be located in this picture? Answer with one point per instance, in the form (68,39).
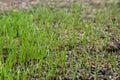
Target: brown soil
(6,5)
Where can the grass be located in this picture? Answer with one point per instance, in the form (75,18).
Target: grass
(49,44)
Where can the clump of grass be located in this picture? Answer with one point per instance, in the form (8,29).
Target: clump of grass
(47,44)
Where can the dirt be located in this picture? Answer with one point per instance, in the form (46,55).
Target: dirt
(6,5)
(26,4)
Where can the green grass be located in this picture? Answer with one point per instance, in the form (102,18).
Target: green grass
(45,44)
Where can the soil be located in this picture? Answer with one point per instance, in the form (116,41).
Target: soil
(6,5)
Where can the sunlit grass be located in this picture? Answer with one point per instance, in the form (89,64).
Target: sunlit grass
(47,44)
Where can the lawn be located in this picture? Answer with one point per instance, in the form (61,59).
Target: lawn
(60,44)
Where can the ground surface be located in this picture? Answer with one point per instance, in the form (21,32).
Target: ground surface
(79,42)
(25,4)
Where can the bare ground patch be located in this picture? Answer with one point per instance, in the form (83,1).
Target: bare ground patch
(26,4)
